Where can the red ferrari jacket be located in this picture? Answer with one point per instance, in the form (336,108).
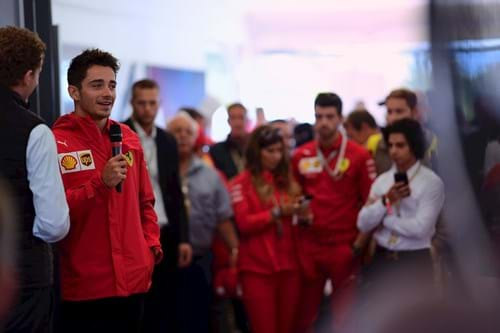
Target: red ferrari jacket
(261,249)
(108,249)
(335,202)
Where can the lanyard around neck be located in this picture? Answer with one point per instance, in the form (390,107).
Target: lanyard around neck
(335,173)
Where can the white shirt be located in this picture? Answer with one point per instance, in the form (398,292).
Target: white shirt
(151,155)
(51,209)
(410,224)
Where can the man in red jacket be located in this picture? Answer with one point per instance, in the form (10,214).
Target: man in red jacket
(337,173)
(107,258)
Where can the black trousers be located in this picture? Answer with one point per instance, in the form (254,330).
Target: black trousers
(116,314)
(179,300)
(159,305)
(407,270)
(33,312)
(415,265)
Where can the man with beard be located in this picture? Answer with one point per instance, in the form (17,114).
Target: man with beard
(162,159)
(337,173)
(107,258)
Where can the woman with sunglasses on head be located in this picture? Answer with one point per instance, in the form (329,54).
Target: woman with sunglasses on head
(265,198)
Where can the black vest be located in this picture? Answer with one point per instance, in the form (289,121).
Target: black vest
(35,262)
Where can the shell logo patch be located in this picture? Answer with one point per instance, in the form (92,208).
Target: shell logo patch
(310,165)
(76,161)
(130,158)
(69,162)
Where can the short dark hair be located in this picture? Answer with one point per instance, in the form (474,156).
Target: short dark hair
(21,50)
(303,133)
(412,131)
(144,84)
(91,57)
(360,117)
(409,96)
(235,105)
(278,121)
(329,99)
(192,112)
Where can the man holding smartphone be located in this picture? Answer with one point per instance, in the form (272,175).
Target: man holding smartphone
(404,206)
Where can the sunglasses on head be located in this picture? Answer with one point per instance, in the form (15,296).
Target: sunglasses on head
(269,136)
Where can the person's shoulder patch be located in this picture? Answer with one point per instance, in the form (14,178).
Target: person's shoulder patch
(129,156)
(76,161)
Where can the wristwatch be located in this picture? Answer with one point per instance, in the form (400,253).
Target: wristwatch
(276,212)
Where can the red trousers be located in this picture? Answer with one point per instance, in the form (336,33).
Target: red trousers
(271,300)
(321,262)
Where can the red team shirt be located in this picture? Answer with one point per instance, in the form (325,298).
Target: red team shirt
(336,202)
(261,249)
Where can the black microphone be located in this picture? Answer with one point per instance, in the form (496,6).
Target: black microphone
(115,134)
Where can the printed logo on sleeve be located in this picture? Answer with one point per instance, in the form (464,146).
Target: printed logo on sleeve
(76,161)
(371,168)
(236,195)
(69,162)
(86,160)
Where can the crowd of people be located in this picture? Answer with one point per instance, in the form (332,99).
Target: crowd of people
(152,233)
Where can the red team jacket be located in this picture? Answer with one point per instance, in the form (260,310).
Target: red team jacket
(107,251)
(261,250)
(336,203)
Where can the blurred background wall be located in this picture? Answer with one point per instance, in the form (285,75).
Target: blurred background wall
(272,54)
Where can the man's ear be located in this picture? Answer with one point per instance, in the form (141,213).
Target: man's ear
(27,78)
(74,92)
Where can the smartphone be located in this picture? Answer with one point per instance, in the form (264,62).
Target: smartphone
(304,203)
(305,200)
(401,177)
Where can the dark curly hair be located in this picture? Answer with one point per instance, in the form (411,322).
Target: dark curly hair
(412,131)
(262,137)
(81,63)
(21,50)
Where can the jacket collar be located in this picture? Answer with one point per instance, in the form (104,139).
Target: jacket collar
(88,126)
(335,146)
(412,172)
(8,94)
